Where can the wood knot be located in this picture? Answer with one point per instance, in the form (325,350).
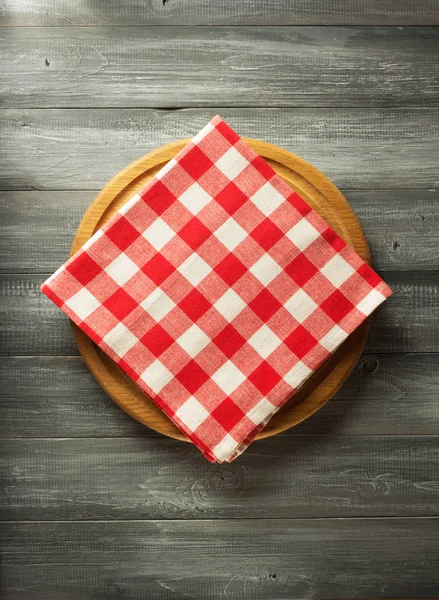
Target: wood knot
(368,366)
(396,245)
(47,62)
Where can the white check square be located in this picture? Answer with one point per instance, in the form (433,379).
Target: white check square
(228,377)
(261,411)
(231,234)
(158,234)
(168,167)
(333,338)
(337,270)
(298,374)
(225,448)
(230,305)
(192,413)
(156,376)
(195,198)
(302,234)
(265,269)
(300,306)
(157,304)
(121,269)
(193,340)
(231,163)
(370,302)
(120,339)
(83,303)
(195,269)
(264,341)
(267,199)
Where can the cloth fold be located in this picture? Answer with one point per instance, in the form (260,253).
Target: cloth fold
(218,290)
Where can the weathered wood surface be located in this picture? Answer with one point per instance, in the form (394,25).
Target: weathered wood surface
(58,397)
(69,149)
(37,228)
(210,560)
(224,66)
(30,324)
(289,477)
(219,12)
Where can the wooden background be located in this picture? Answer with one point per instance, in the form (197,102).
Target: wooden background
(93,505)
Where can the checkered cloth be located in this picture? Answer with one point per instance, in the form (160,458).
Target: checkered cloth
(218,290)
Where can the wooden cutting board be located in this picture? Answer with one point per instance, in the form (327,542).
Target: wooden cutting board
(320,193)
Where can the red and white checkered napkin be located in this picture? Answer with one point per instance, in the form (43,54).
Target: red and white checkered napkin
(218,290)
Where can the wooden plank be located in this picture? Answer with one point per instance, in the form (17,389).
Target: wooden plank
(146,478)
(81,149)
(401,227)
(220,12)
(32,325)
(263,560)
(200,66)
(58,397)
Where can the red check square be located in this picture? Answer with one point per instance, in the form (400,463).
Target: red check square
(230,269)
(120,304)
(195,163)
(301,269)
(229,341)
(194,233)
(84,268)
(337,306)
(192,376)
(231,198)
(158,269)
(218,290)
(157,340)
(228,414)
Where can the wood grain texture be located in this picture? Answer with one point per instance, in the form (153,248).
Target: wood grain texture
(81,149)
(58,397)
(217,67)
(289,477)
(32,325)
(320,193)
(401,226)
(220,12)
(262,560)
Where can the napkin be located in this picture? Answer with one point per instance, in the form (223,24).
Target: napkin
(218,290)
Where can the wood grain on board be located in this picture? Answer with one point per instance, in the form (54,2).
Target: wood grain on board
(218,67)
(30,324)
(68,149)
(386,395)
(266,559)
(219,12)
(160,478)
(401,226)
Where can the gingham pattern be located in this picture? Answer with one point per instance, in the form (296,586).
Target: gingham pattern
(218,290)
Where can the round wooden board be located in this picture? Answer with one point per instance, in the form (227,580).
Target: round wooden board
(320,193)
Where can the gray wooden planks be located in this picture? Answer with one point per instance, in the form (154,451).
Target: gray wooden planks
(58,397)
(69,149)
(210,560)
(37,228)
(160,478)
(218,67)
(30,324)
(219,12)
